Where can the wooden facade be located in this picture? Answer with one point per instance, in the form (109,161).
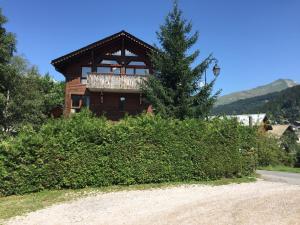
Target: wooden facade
(105,76)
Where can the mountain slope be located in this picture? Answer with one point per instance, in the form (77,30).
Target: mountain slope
(279,105)
(275,86)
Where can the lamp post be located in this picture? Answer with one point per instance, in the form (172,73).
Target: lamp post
(216,70)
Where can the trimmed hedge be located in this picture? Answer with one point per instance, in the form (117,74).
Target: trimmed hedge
(87,151)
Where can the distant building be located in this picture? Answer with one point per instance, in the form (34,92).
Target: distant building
(297,129)
(279,131)
(258,120)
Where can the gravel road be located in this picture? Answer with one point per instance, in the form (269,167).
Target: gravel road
(260,202)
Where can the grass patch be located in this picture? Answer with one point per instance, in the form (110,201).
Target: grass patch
(20,204)
(281,169)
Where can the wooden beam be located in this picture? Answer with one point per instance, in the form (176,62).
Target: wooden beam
(93,62)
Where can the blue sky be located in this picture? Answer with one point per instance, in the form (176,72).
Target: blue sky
(256,41)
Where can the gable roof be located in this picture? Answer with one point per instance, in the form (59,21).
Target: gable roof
(99,43)
(278,130)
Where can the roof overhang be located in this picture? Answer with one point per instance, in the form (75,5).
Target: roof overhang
(60,60)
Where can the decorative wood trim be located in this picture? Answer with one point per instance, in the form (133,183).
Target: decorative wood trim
(94,45)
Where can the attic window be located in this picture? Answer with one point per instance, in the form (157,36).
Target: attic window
(136,63)
(117,53)
(129,53)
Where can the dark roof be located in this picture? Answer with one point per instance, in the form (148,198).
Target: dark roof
(98,43)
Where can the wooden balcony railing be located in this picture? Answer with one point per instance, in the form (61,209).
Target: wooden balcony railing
(114,83)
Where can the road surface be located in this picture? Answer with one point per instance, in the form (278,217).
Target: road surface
(290,178)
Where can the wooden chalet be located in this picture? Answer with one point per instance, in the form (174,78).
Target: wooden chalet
(104,76)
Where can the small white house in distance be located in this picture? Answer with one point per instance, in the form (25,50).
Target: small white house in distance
(259,120)
(297,129)
(250,119)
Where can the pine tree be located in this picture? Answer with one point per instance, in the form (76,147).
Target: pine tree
(174,89)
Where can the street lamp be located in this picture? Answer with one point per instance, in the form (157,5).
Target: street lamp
(216,70)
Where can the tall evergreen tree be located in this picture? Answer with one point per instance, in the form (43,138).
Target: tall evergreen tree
(174,90)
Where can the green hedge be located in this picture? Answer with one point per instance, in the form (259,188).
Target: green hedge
(86,151)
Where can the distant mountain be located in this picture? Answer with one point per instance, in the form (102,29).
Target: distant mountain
(280,106)
(275,86)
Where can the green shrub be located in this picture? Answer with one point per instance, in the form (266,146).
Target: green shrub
(86,151)
(270,152)
(288,142)
(297,155)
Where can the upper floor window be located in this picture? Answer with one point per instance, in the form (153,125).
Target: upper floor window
(85,71)
(109,66)
(136,63)
(141,71)
(108,61)
(103,69)
(108,69)
(130,71)
(116,70)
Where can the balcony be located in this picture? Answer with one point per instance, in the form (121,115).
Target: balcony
(114,83)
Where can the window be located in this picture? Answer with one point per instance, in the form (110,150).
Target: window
(136,63)
(75,101)
(103,69)
(122,103)
(118,53)
(108,61)
(85,71)
(86,101)
(79,101)
(130,71)
(129,53)
(142,71)
(116,70)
